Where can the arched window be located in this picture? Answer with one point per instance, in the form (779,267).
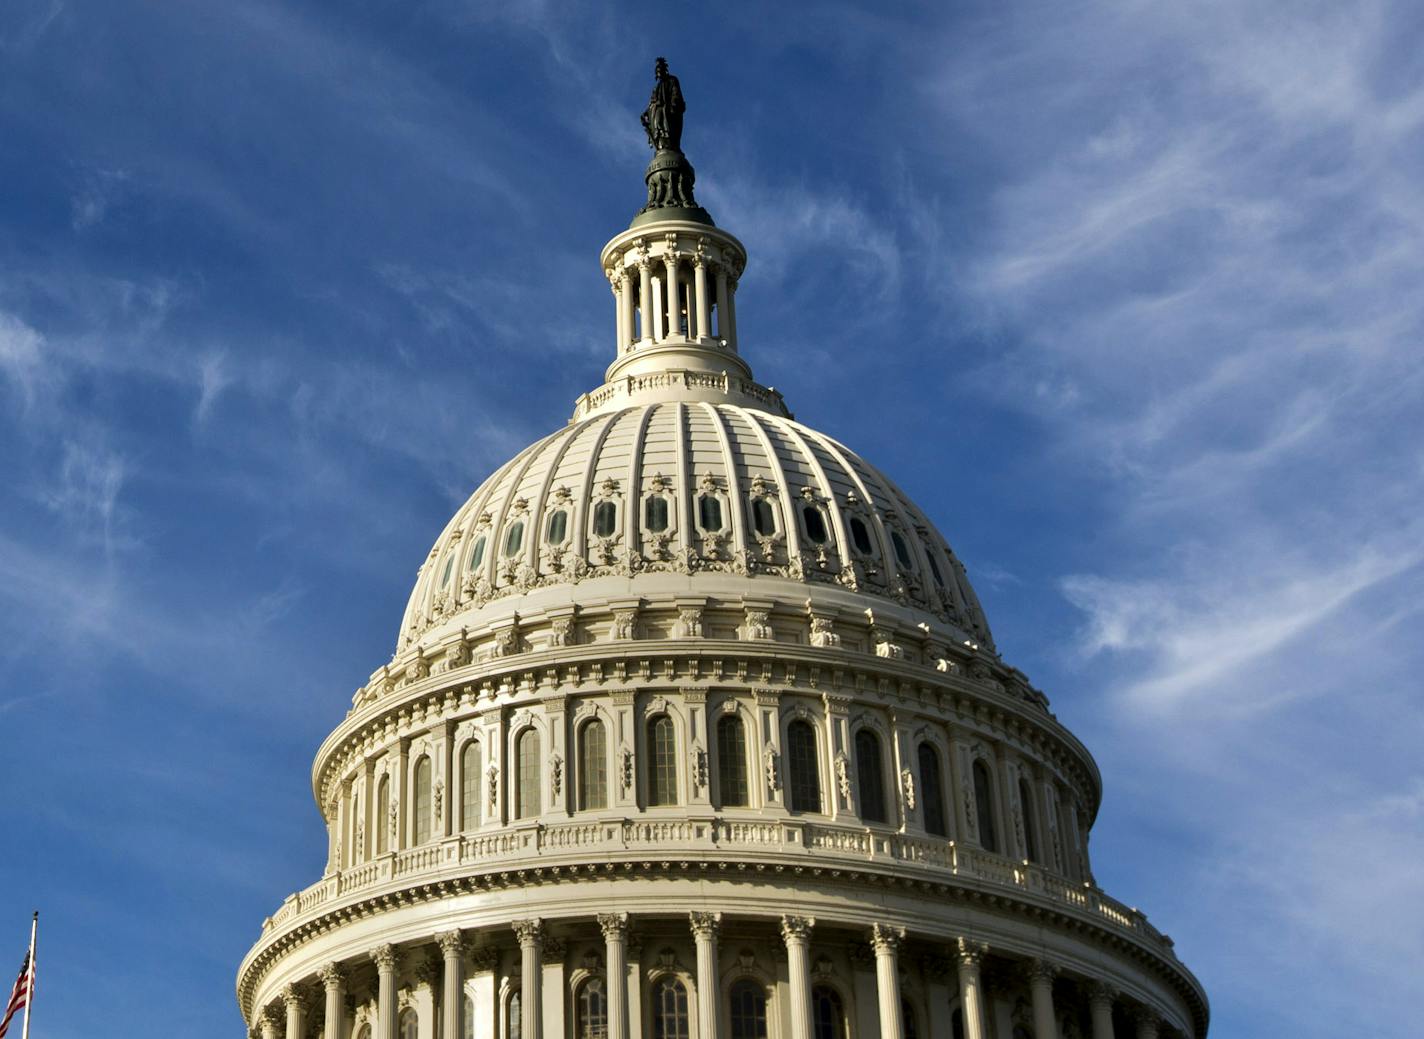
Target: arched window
(802,772)
(934,567)
(605,518)
(408,1026)
(467,1026)
(902,550)
(364,1032)
(470,786)
(513,538)
(815,524)
(984,806)
(477,556)
(709,513)
(591,1006)
(827,1013)
(514,1016)
(1030,829)
(910,1026)
(932,791)
(662,761)
(669,1009)
(870,776)
(445,573)
(731,761)
(558,526)
(593,766)
(748,1017)
(422,800)
(655,514)
(382,813)
(860,535)
(530,767)
(763,517)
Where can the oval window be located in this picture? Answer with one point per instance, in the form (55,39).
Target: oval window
(815,524)
(934,568)
(655,514)
(478,555)
(514,538)
(605,519)
(709,512)
(763,517)
(860,535)
(558,527)
(902,550)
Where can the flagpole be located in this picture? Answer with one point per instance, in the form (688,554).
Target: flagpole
(30,981)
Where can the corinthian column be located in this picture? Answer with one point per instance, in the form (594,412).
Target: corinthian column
(271,1021)
(1147,1021)
(530,934)
(971,989)
(625,311)
(615,937)
(1100,1006)
(384,957)
(796,933)
(704,931)
(645,299)
(452,948)
(699,287)
(296,1001)
(886,941)
(334,981)
(1040,982)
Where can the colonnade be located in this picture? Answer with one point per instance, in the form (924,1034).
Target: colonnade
(664,290)
(290,1016)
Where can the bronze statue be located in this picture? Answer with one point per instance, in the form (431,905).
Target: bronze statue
(662,119)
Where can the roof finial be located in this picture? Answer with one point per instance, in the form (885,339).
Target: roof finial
(669,176)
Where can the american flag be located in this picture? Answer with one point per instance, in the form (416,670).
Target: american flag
(19,995)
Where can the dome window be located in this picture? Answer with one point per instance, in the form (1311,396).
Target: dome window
(934,568)
(902,550)
(478,555)
(709,513)
(815,524)
(763,517)
(558,527)
(445,575)
(860,535)
(605,519)
(514,539)
(655,514)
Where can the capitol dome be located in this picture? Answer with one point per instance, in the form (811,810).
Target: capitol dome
(695,728)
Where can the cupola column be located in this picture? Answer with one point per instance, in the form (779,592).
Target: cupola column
(971,989)
(699,286)
(384,957)
(619,334)
(645,299)
(1040,982)
(271,1021)
(1147,1022)
(724,327)
(1100,1007)
(452,949)
(531,969)
(673,294)
(886,942)
(731,335)
(705,927)
(626,331)
(333,979)
(796,933)
(615,937)
(296,1001)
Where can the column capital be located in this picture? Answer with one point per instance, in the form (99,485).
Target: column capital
(797,929)
(705,925)
(1145,1018)
(384,957)
(295,998)
(1102,993)
(528,931)
(970,953)
(332,976)
(273,1016)
(614,926)
(1041,970)
(452,943)
(885,939)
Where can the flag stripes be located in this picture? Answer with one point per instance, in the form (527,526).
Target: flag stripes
(19,995)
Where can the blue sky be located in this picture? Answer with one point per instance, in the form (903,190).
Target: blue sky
(1126,295)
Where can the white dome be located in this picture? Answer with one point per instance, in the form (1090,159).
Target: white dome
(700,490)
